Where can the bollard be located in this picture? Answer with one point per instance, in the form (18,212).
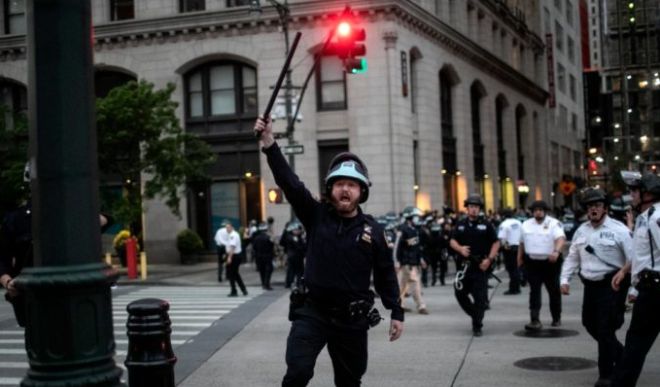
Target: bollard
(150,359)
(131,258)
(143,265)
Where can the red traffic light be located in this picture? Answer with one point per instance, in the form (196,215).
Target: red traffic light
(344,29)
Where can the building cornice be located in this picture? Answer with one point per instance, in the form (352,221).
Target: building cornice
(236,21)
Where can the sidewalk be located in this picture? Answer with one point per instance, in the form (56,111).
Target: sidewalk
(435,350)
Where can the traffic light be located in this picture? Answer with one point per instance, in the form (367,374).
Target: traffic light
(349,45)
(275,195)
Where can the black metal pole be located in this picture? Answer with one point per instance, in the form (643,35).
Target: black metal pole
(69,328)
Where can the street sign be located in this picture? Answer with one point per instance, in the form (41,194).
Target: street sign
(296,149)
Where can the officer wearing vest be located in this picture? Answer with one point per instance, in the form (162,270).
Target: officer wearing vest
(540,247)
(509,236)
(645,322)
(408,253)
(437,259)
(475,241)
(601,250)
(294,243)
(345,246)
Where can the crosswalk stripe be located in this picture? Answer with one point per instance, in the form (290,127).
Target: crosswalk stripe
(173,342)
(184,313)
(9,381)
(187,325)
(12,351)
(12,341)
(14,364)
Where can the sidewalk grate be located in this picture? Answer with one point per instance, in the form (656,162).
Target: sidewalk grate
(555,363)
(547,333)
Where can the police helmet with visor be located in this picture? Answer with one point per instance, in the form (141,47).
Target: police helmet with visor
(474,199)
(347,165)
(591,196)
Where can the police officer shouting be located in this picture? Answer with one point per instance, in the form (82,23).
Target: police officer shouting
(601,249)
(344,247)
(645,322)
(475,240)
(540,249)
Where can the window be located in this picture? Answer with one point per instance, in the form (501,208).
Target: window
(572,87)
(561,78)
(569,12)
(558,5)
(574,122)
(563,117)
(191,5)
(570,47)
(237,3)
(546,20)
(14,17)
(559,36)
(446,114)
(221,90)
(122,10)
(331,84)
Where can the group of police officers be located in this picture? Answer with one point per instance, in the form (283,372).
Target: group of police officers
(338,250)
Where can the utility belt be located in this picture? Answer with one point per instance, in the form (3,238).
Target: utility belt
(353,312)
(649,280)
(474,260)
(606,281)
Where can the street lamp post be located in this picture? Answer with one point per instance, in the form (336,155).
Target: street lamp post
(69,326)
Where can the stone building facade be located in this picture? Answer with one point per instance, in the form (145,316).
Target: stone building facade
(454,101)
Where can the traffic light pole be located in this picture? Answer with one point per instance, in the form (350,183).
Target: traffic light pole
(69,326)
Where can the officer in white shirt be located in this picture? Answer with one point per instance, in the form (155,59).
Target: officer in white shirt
(541,242)
(509,236)
(601,249)
(232,243)
(645,322)
(221,238)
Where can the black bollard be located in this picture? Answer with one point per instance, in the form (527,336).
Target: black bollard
(150,359)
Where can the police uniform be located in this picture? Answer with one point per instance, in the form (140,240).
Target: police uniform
(16,252)
(479,235)
(408,252)
(599,253)
(263,249)
(538,241)
(342,254)
(295,246)
(509,234)
(645,322)
(437,260)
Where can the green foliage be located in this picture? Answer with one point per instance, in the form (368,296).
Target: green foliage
(139,132)
(13,156)
(188,242)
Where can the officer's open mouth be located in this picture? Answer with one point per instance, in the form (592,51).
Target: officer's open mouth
(344,198)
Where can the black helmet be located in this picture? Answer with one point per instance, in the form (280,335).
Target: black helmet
(411,211)
(650,183)
(263,226)
(539,204)
(507,213)
(592,195)
(475,199)
(348,165)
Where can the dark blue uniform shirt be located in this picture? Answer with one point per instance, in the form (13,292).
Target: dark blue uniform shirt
(342,252)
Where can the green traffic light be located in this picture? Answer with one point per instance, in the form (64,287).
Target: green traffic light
(362,68)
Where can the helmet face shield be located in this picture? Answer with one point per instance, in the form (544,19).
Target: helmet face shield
(631,178)
(346,165)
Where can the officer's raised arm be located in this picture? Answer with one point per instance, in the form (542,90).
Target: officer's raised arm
(295,191)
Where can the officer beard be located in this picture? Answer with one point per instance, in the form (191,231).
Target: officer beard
(344,203)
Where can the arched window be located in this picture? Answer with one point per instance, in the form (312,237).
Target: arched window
(448,79)
(220,97)
(13,97)
(521,116)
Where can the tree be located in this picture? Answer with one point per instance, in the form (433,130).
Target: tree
(13,156)
(140,135)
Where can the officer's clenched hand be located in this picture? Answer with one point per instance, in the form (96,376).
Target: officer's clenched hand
(264,128)
(565,289)
(464,251)
(8,283)
(616,280)
(396,328)
(485,264)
